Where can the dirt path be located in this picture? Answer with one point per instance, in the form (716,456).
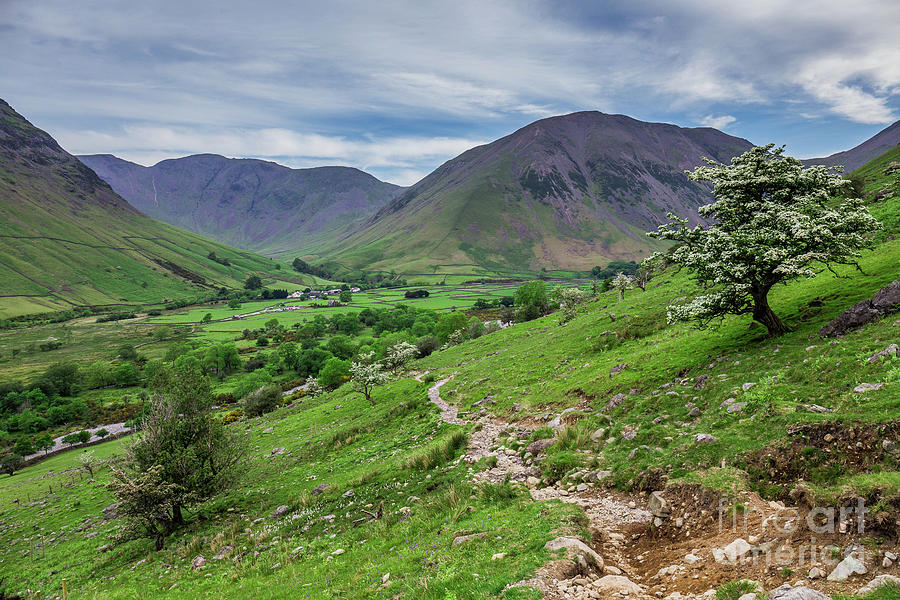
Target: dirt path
(608,513)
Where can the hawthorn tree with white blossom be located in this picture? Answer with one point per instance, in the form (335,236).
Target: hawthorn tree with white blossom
(366,374)
(772,221)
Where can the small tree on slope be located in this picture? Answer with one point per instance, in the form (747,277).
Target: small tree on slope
(772,221)
(366,375)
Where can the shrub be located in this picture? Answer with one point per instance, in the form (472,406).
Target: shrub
(735,589)
(101,433)
(233,416)
(263,400)
(334,373)
(427,345)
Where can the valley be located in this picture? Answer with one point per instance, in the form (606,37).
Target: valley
(433,420)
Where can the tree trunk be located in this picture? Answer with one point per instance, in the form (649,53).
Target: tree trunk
(177,517)
(763,314)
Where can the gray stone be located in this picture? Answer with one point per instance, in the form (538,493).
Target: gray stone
(198,562)
(892,350)
(462,539)
(617,584)
(787,592)
(348,494)
(747,386)
(816,573)
(733,552)
(614,402)
(701,382)
(539,446)
(224,552)
(695,412)
(618,369)
(599,434)
(877,583)
(885,301)
(736,407)
(575,548)
(319,489)
(851,565)
(281,511)
(705,438)
(658,506)
(815,408)
(868,387)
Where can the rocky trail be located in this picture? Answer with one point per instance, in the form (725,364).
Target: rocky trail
(650,546)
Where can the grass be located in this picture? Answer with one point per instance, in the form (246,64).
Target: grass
(333,440)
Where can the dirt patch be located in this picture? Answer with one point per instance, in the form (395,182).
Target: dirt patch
(820,453)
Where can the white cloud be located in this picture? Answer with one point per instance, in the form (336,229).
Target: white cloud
(401,157)
(720,122)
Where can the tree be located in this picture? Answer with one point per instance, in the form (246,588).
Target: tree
(398,355)
(102,433)
(367,374)
(126,375)
(44,442)
(289,353)
(234,303)
(253,282)
(222,359)
(99,374)
(334,372)
(345,296)
(772,220)
(620,283)
(569,299)
(207,318)
(127,352)
(84,436)
(61,378)
(88,462)
(262,400)
(181,457)
(71,439)
(24,446)
(12,463)
(532,300)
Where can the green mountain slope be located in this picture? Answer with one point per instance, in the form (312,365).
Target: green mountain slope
(398,455)
(566,192)
(248,203)
(66,238)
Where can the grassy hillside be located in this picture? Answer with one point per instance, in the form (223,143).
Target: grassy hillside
(399,453)
(67,239)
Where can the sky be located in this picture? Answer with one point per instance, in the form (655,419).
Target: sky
(397,88)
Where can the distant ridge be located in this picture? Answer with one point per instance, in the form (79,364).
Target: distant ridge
(856,157)
(248,203)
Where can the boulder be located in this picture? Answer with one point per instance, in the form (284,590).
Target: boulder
(877,583)
(701,382)
(281,511)
(617,584)
(851,565)
(733,552)
(198,562)
(614,402)
(539,446)
(658,506)
(736,407)
(577,550)
(885,301)
(224,552)
(319,489)
(787,592)
(705,438)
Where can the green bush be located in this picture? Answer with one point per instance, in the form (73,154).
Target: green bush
(262,400)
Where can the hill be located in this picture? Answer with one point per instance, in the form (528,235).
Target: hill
(248,203)
(567,193)
(856,157)
(67,239)
(563,429)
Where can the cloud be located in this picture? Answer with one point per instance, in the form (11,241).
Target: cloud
(403,86)
(400,157)
(720,122)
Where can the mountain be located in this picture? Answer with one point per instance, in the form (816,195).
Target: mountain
(566,193)
(872,148)
(248,203)
(66,238)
